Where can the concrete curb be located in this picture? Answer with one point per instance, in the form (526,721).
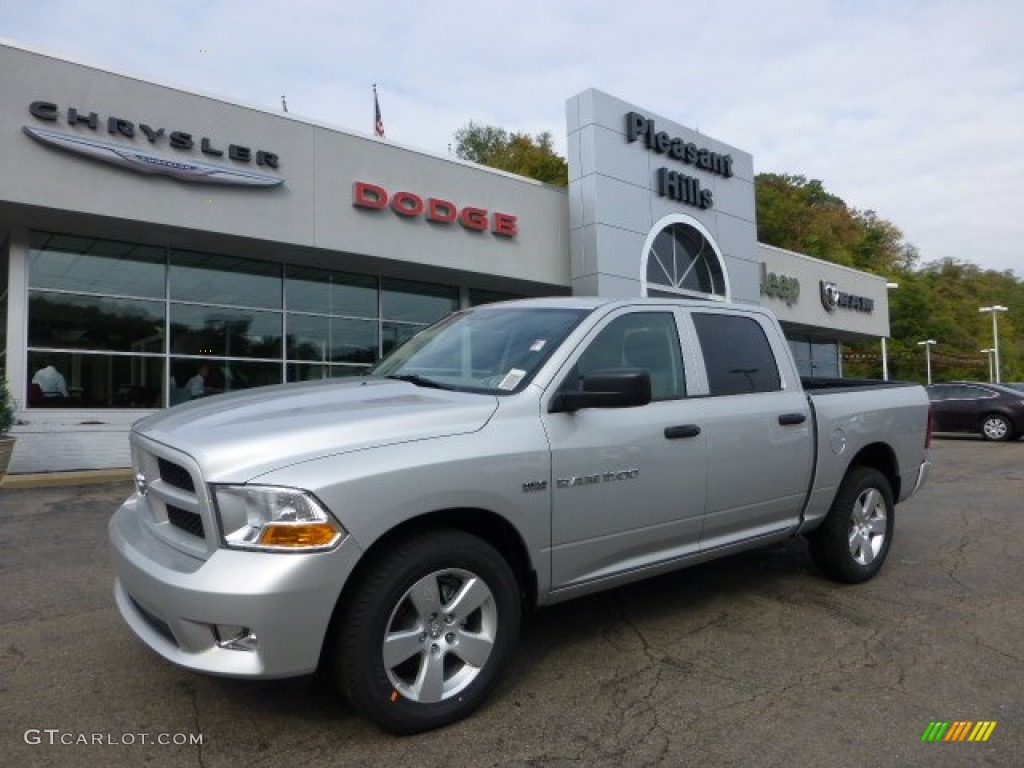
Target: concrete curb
(54,479)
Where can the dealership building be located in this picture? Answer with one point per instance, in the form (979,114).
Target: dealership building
(158,244)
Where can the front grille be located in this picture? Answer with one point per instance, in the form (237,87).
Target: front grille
(161,627)
(176,475)
(190,522)
(175,510)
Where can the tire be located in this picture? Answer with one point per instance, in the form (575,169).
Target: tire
(428,632)
(997,428)
(852,543)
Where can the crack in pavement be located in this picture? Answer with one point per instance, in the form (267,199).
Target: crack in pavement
(9,670)
(193,694)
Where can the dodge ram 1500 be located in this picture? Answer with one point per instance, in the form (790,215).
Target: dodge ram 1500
(392,528)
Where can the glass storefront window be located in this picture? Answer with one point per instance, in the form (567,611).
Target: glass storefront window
(333,293)
(69,321)
(815,358)
(801,349)
(334,339)
(129,325)
(191,378)
(221,332)
(85,265)
(353,341)
(825,358)
(394,335)
(309,337)
(200,277)
(305,372)
(416,302)
(94,380)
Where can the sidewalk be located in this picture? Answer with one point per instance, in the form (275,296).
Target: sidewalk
(55,479)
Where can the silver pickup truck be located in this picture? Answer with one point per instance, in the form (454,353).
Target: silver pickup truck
(392,529)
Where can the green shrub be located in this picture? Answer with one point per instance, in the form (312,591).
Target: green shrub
(6,407)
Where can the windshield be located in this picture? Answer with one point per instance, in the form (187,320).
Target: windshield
(489,349)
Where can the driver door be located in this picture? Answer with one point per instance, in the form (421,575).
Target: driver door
(628,484)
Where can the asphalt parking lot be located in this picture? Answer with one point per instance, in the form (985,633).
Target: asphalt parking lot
(751,661)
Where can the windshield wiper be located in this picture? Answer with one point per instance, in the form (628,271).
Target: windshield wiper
(419,381)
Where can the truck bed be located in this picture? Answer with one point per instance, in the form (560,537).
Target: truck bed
(823,385)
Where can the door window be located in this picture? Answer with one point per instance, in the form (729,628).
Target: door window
(737,355)
(645,340)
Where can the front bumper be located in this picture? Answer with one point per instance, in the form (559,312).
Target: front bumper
(173,600)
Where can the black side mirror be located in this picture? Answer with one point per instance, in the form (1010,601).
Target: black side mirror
(612,388)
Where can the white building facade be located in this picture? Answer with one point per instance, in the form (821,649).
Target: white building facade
(150,236)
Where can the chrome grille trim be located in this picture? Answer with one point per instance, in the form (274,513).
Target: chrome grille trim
(175,514)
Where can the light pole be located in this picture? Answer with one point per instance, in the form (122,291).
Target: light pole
(885,355)
(928,344)
(995,309)
(988,353)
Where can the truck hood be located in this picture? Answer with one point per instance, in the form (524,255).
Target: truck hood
(236,437)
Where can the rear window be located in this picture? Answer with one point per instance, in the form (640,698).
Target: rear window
(737,355)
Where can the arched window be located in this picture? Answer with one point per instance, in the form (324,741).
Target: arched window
(682,260)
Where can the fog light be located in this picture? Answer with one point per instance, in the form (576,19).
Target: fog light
(232,637)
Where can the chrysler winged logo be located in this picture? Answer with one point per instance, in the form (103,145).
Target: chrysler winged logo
(146,162)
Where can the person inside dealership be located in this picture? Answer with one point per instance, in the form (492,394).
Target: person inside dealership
(50,382)
(196,386)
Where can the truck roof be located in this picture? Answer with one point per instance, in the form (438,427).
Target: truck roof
(593,302)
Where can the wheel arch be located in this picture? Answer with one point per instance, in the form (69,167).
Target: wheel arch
(880,456)
(485,524)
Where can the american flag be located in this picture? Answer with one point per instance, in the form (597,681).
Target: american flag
(378,122)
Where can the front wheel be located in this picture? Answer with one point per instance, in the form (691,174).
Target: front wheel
(427,633)
(853,541)
(996,427)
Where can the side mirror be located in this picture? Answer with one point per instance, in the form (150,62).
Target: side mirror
(612,388)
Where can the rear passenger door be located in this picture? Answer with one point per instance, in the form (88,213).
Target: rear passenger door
(758,426)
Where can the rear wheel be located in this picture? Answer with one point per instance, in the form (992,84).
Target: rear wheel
(996,427)
(853,541)
(427,633)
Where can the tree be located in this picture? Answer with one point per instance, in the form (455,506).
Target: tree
(939,300)
(530,156)
(802,216)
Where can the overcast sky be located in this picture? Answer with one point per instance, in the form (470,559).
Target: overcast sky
(912,108)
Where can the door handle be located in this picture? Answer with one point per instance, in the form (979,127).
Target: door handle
(683,430)
(787,419)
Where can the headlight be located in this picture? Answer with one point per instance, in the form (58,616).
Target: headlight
(272,519)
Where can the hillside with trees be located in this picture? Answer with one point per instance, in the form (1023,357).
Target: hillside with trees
(936,299)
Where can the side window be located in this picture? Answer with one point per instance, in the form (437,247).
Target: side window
(639,340)
(976,393)
(737,354)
